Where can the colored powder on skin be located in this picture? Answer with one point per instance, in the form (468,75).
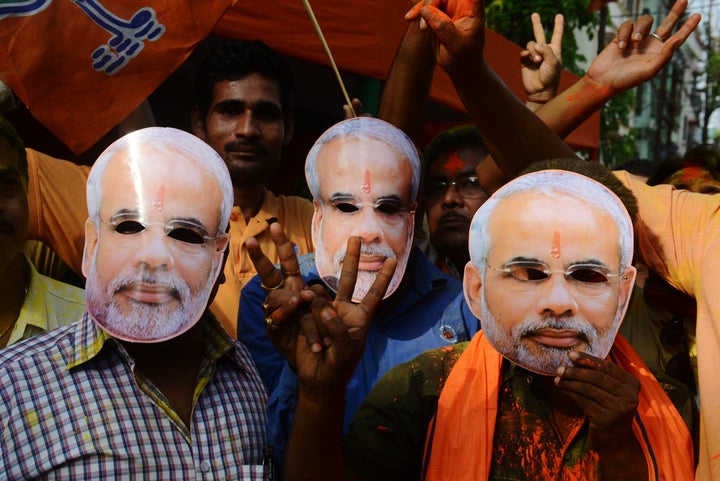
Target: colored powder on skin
(366,182)
(555,248)
(453,164)
(159,202)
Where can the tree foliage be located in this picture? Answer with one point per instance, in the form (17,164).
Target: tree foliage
(712,88)
(511,18)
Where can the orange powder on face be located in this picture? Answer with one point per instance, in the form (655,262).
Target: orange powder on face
(453,164)
(159,202)
(366,182)
(555,248)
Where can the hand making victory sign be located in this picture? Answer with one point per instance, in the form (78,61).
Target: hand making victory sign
(345,324)
(288,297)
(542,62)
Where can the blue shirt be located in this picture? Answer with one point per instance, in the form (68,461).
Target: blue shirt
(72,406)
(426,312)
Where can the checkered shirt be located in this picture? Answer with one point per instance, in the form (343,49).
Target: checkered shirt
(72,408)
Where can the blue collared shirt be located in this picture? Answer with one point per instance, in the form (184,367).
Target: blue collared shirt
(72,406)
(426,312)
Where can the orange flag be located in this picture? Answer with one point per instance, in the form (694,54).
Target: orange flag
(81,66)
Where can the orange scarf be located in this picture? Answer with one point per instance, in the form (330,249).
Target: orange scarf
(460,437)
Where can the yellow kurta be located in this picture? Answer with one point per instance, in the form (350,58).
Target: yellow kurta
(49,304)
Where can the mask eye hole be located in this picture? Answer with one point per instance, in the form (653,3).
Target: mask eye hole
(527,272)
(389,209)
(128,227)
(346,207)
(187,235)
(588,275)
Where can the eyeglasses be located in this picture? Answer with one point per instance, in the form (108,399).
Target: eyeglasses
(586,279)
(468,187)
(390,212)
(186,234)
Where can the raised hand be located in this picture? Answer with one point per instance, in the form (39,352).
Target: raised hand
(459,26)
(346,325)
(542,62)
(634,56)
(288,297)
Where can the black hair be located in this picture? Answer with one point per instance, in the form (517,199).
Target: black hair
(594,171)
(642,167)
(453,138)
(706,156)
(10,137)
(235,60)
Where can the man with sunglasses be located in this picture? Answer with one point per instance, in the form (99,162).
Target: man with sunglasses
(451,194)
(147,384)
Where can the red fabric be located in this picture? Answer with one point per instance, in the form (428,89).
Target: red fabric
(46,58)
(363,37)
(465,421)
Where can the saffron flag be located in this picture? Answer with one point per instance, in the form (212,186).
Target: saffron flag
(81,66)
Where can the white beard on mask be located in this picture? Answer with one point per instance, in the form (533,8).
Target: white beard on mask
(146,322)
(543,359)
(330,267)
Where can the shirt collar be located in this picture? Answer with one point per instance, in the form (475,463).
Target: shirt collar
(29,314)
(90,339)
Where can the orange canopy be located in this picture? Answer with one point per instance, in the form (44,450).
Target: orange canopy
(363,36)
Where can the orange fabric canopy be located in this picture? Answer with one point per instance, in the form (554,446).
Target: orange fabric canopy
(363,36)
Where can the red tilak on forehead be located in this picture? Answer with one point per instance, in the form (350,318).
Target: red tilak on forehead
(555,248)
(453,163)
(159,202)
(366,182)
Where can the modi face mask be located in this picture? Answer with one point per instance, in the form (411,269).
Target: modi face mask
(159,201)
(550,269)
(364,175)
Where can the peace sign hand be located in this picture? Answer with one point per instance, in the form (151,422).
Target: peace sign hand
(346,325)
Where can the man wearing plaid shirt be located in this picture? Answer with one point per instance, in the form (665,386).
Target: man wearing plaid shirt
(146,385)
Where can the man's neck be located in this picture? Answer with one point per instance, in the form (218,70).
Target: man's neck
(249,198)
(172,366)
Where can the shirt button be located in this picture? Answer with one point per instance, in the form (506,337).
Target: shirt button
(205,466)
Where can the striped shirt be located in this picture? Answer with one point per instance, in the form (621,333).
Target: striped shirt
(71,407)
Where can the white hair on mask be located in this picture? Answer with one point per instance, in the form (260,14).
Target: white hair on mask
(363,128)
(552,183)
(172,141)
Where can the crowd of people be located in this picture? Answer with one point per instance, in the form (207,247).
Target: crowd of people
(491,308)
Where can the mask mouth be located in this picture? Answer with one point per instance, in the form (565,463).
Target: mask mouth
(149,292)
(557,338)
